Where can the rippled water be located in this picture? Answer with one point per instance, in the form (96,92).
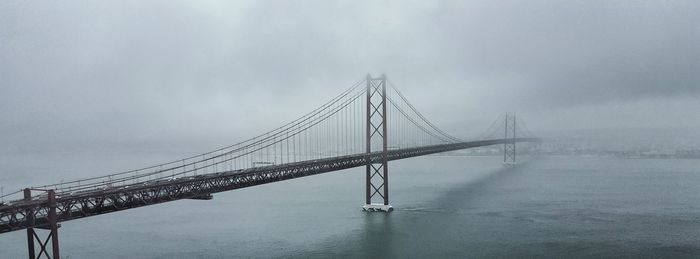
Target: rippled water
(445,207)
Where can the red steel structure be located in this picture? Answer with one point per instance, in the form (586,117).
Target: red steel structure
(327,139)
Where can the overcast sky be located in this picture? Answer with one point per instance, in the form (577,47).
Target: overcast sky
(127,71)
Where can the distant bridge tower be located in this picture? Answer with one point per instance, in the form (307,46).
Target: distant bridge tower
(377,177)
(509,147)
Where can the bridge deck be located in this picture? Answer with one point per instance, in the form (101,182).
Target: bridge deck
(23,214)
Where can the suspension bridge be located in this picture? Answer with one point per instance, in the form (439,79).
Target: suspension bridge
(367,125)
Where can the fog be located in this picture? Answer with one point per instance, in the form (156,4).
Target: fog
(108,73)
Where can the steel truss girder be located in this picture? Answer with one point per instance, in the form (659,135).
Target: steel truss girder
(35,213)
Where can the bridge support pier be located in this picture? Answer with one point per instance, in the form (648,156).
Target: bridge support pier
(377,176)
(509,147)
(51,225)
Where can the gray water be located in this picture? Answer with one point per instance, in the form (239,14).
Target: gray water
(445,207)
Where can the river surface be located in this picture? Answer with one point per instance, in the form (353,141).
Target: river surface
(446,206)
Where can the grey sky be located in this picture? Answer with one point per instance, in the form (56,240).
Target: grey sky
(109,72)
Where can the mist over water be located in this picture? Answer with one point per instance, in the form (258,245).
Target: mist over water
(612,87)
(446,206)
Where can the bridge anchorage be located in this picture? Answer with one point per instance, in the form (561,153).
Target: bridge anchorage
(367,125)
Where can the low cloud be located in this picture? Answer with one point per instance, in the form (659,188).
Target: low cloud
(93,71)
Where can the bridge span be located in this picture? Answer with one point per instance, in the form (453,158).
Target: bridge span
(364,126)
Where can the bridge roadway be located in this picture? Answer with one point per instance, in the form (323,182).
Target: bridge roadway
(21,214)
